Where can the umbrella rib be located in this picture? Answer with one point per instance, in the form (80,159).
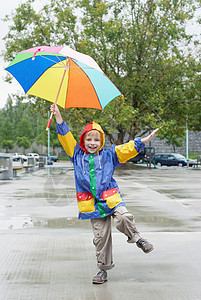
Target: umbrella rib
(53,60)
(59,59)
(64,65)
(77,72)
(72,68)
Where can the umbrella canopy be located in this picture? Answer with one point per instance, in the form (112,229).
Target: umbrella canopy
(64,76)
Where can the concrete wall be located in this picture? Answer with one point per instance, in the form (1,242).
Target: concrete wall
(194,144)
(34,148)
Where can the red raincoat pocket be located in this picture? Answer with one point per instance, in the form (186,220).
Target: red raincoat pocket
(112,197)
(85,202)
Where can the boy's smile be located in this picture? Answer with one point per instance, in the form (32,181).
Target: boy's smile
(92,144)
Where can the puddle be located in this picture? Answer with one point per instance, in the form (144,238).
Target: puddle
(39,201)
(62,223)
(67,171)
(25,222)
(61,197)
(3,182)
(180,194)
(155,221)
(18,222)
(160,222)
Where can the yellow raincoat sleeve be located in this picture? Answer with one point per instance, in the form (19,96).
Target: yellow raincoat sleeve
(129,150)
(66,138)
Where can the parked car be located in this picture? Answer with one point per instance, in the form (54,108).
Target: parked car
(51,156)
(144,155)
(172,159)
(19,156)
(33,155)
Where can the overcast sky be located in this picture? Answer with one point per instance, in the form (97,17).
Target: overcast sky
(15,87)
(7,8)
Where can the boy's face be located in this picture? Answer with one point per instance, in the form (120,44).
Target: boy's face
(92,141)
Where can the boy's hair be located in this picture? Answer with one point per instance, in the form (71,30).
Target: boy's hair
(93,133)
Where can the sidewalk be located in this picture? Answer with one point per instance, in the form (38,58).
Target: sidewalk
(47,253)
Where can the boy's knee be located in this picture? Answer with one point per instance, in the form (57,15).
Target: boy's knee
(122,215)
(124,221)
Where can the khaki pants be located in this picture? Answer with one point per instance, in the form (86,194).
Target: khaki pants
(124,222)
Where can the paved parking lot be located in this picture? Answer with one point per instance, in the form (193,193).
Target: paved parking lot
(47,253)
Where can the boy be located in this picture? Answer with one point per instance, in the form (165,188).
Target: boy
(98,194)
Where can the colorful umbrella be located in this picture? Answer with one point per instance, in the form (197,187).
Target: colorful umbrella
(64,76)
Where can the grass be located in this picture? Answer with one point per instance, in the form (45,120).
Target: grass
(194,156)
(64,158)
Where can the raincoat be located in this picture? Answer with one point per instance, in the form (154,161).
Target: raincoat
(97,191)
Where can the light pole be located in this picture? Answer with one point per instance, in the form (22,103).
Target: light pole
(187,135)
(48,148)
(149,149)
(187,139)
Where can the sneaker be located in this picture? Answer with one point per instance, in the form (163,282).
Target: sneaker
(145,245)
(100,277)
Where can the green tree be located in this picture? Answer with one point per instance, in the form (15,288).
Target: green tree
(192,103)
(7,144)
(42,137)
(23,142)
(24,128)
(172,134)
(7,130)
(137,43)
(141,45)
(54,24)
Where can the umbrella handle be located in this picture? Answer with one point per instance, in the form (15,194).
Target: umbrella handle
(49,122)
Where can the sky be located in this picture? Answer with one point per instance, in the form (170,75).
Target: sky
(15,87)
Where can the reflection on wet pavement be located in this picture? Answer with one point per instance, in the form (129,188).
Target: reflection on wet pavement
(47,253)
(161,200)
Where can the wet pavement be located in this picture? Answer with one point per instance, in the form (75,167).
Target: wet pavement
(47,253)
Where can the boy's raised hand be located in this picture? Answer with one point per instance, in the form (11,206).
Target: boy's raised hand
(55,110)
(149,137)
